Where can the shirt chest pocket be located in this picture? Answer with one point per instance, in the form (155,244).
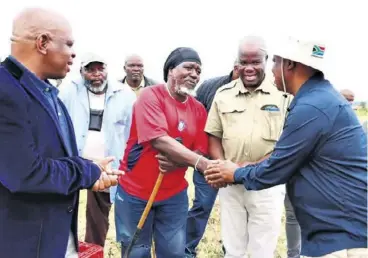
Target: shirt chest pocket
(272,124)
(233,118)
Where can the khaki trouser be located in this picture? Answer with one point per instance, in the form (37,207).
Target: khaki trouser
(347,253)
(251,220)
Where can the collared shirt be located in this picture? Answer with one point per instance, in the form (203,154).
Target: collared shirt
(322,156)
(51,94)
(249,123)
(138,89)
(116,121)
(94,147)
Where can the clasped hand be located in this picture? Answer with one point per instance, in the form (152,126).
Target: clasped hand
(219,173)
(109,177)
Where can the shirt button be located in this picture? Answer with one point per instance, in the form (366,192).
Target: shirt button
(59,114)
(47,89)
(70,209)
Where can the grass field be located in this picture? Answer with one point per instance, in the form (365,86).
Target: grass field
(210,246)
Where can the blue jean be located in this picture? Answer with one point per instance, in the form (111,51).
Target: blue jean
(165,223)
(198,215)
(293,234)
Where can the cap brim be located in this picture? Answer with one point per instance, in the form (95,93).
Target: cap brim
(84,64)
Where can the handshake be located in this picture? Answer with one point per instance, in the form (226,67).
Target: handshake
(109,177)
(218,173)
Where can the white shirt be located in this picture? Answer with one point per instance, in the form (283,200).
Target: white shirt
(95,143)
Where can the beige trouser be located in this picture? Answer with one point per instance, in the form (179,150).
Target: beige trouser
(347,253)
(251,220)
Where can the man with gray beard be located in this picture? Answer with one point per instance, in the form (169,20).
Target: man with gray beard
(101,111)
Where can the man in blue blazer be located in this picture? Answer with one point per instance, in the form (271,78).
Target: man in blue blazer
(40,171)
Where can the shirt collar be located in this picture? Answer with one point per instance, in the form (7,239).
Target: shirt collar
(306,87)
(142,82)
(44,86)
(264,87)
(141,85)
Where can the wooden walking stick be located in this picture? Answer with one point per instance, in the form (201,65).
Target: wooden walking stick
(146,211)
(153,250)
(144,215)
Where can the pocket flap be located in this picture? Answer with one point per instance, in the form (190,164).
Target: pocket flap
(231,107)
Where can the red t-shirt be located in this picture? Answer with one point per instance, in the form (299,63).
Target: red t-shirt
(157,114)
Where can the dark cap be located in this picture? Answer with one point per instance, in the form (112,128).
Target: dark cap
(178,56)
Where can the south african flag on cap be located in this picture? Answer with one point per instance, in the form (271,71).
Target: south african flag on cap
(318,51)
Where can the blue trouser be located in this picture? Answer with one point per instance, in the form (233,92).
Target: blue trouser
(166,223)
(293,234)
(198,215)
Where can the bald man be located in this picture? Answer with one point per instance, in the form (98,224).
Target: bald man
(348,95)
(40,171)
(134,70)
(244,123)
(321,156)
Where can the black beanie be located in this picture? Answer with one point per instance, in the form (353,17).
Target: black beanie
(178,56)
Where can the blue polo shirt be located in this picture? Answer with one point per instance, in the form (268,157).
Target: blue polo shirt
(322,156)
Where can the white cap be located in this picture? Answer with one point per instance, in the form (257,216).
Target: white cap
(91,58)
(309,53)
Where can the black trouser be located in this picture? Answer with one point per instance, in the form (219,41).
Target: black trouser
(97,216)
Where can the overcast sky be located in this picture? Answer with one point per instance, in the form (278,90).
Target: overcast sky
(153,28)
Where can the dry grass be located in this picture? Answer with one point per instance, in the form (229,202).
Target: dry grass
(210,246)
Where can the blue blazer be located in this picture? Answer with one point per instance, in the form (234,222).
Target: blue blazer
(39,179)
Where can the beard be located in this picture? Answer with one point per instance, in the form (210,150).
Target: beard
(96,89)
(184,90)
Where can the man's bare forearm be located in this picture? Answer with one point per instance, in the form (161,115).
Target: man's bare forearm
(178,153)
(216,151)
